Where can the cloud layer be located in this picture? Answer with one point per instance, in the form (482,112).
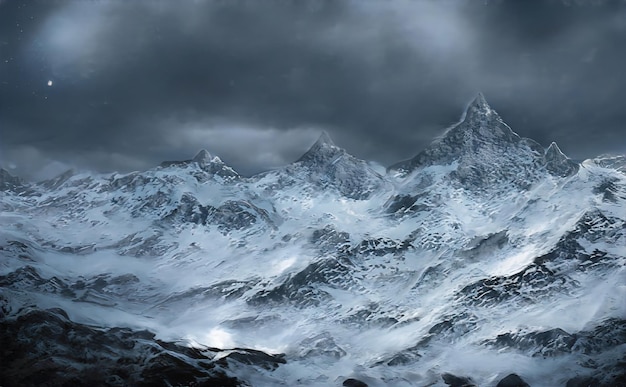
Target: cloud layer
(137,83)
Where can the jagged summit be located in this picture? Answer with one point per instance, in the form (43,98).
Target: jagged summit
(8,181)
(58,180)
(203,157)
(328,166)
(480,129)
(205,161)
(324,139)
(478,110)
(480,120)
(480,100)
(478,105)
(557,163)
(554,151)
(322,149)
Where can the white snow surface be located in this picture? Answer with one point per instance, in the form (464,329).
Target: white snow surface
(199,282)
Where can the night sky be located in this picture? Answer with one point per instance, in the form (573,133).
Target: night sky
(120,86)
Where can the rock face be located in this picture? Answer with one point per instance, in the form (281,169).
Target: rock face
(512,380)
(457,381)
(487,153)
(43,347)
(353,383)
(9,182)
(480,127)
(326,167)
(482,253)
(212,165)
(559,164)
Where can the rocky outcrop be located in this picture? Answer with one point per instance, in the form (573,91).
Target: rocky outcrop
(44,347)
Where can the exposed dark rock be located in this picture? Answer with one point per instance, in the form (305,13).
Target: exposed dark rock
(474,143)
(609,334)
(350,382)
(369,315)
(512,380)
(457,381)
(483,245)
(230,215)
(381,246)
(237,215)
(190,210)
(552,342)
(209,164)
(254,357)
(583,381)
(43,347)
(608,189)
(57,181)
(331,240)
(451,326)
(9,182)
(402,204)
(327,167)
(227,290)
(407,356)
(549,274)
(299,288)
(321,345)
(558,164)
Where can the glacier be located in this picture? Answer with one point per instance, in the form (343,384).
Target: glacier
(485,260)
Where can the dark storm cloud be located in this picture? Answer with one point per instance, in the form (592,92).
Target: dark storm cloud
(255,82)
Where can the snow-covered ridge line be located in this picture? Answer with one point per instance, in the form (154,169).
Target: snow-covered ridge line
(458,135)
(483,257)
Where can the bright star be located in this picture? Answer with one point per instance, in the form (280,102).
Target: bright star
(49,83)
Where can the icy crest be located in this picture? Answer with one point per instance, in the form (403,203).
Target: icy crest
(478,106)
(321,150)
(485,149)
(326,167)
(203,157)
(557,163)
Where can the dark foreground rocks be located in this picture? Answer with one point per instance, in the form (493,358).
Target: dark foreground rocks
(43,347)
(512,380)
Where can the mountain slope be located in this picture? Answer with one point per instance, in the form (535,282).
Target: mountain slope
(482,257)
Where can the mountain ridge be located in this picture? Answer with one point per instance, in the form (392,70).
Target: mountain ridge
(479,123)
(324,272)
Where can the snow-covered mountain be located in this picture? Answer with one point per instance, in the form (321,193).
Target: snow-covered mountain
(484,260)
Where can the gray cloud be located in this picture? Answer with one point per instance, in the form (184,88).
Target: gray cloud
(137,83)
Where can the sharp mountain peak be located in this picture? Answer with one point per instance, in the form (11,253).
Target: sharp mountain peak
(323,147)
(203,156)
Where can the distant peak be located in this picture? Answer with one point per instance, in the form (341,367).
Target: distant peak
(557,163)
(8,181)
(554,153)
(6,174)
(554,149)
(323,146)
(478,105)
(480,100)
(203,156)
(324,139)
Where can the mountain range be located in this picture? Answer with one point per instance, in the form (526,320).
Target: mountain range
(485,260)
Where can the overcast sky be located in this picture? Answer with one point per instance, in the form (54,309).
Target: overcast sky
(116,85)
